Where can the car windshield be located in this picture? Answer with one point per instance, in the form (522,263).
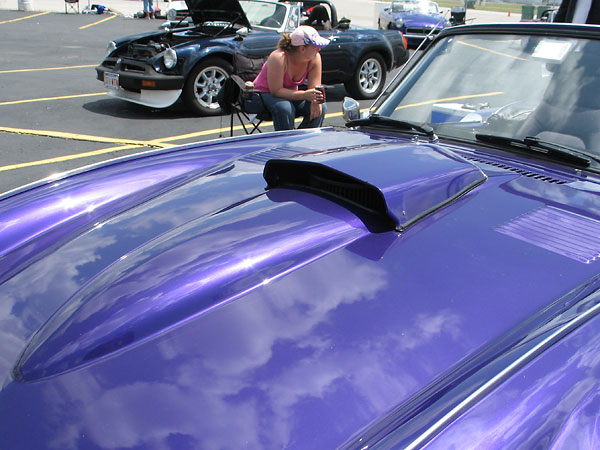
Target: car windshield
(414,6)
(512,86)
(264,14)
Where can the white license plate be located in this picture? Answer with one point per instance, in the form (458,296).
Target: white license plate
(111,80)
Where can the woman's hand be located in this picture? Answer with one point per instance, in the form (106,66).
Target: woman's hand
(314,96)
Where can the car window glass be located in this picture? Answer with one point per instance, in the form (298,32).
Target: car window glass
(422,6)
(515,86)
(263,14)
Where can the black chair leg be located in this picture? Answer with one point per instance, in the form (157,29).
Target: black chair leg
(255,127)
(231,125)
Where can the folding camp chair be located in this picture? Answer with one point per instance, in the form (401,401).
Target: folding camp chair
(235,100)
(72,5)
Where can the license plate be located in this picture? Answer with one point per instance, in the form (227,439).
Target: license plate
(111,80)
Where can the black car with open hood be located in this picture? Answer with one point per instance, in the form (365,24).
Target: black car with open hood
(191,62)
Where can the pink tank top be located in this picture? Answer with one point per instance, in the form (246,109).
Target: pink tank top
(261,82)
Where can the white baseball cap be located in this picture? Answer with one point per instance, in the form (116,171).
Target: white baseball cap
(305,35)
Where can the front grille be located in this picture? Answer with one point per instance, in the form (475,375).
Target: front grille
(420,30)
(127,67)
(145,50)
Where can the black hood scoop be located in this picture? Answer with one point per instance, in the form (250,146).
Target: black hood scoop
(389,188)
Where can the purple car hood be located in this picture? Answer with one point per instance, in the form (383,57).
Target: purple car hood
(278,291)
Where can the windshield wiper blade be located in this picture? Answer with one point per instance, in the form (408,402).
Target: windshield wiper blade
(376,119)
(549,149)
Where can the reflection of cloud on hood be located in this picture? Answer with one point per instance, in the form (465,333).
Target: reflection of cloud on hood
(431,326)
(183,204)
(256,366)
(142,272)
(289,309)
(361,371)
(230,348)
(150,414)
(589,359)
(55,277)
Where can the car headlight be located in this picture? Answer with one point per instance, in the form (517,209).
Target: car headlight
(170,58)
(111,47)
(172,14)
(399,23)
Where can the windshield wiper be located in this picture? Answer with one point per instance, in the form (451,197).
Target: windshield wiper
(551,150)
(376,119)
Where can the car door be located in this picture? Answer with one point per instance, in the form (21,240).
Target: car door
(340,56)
(258,44)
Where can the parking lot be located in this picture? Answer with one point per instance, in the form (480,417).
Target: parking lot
(55,115)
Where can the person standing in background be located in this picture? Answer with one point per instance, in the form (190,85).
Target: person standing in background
(148,9)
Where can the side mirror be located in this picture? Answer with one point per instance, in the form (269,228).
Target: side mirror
(293,20)
(242,32)
(350,109)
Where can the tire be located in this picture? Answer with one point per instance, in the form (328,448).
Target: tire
(369,79)
(203,85)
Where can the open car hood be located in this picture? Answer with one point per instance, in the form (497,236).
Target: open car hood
(217,10)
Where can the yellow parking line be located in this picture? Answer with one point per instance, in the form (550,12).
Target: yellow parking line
(26,17)
(154,143)
(50,98)
(491,51)
(449,99)
(134,144)
(83,137)
(48,68)
(221,130)
(66,158)
(100,21)
(203,133)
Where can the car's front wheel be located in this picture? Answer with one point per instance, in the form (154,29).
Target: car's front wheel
(203,85)
(369,79)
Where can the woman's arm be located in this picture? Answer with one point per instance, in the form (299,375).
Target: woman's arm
(314,72)
(314,79)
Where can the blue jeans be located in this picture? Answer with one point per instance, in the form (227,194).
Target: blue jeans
(148,7)
(285,111)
